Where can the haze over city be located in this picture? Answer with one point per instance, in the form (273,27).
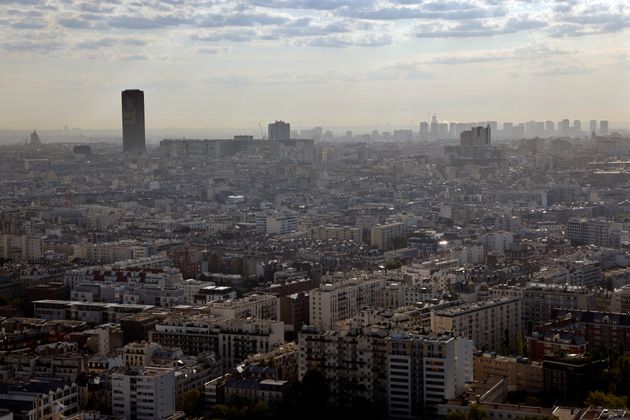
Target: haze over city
(314,209)
(233,64)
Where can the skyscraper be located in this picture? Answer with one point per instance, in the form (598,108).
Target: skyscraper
(592,126)
(603,127)
(133,120)
(279,130)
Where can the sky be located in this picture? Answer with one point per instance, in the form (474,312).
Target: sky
(232,63)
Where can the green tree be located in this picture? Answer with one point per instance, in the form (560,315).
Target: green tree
(192,402)
(477,413)
(608,400)
(457,415)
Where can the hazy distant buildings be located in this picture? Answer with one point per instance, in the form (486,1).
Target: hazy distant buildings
(34,141)
(279,130)
(424,130)
(603,127)
(564,127)
(476,136)
(133,120)
(550,127)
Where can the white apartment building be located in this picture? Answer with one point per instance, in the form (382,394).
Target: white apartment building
(110,252)
(600,232)
(338,233)
(403,374)
(491,325)
(257,306)
(381,236)
(143,393)
(277,222)
(20,247)
(137,277)
(192,287)
(233,340)
(41,398)
(343,297)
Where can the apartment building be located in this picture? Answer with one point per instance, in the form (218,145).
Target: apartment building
(143,393)
(381,236)
(520,373)
(403,374)
(338,233)
(492,325)
(258,306)
(340,297)
(233,340)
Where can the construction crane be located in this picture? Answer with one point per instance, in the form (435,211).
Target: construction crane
(262,134)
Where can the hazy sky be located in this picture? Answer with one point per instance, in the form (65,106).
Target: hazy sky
(222,63)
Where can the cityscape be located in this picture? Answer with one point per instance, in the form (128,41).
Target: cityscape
(326,248)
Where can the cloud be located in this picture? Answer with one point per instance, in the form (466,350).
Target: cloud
(401,69)
(33,46)
(231,35)
(310,23)
(144,23)
(243,19)
(134,57)
(477,28)
(110,42)
(568,70)
(340,41)
(428,11)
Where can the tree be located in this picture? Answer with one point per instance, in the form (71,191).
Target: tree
(457,415)
(608,400)
(477,413)
(192,402)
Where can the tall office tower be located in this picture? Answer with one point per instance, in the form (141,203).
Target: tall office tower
(530,128)
(577,126)
(494,126)
(550,127)
(476,136)
(564,127)
(424,130)
(603,127)
(592,126)
(133,120)
(452,130)
(435,127)
(279,130)
(508,128)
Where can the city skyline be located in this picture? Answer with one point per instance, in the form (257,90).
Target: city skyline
(235,65)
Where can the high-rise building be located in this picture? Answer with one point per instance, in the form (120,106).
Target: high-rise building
(508,129)
(424,130)
(435,127)
(484,322)
(147,393)
(577,126)
(476,136)
(603,127)
(133,120)
(564,127)
(550,127)
(592,126)
(339,298)
(279,130)
(404,375)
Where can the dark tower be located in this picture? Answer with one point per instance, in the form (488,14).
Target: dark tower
(133,120)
